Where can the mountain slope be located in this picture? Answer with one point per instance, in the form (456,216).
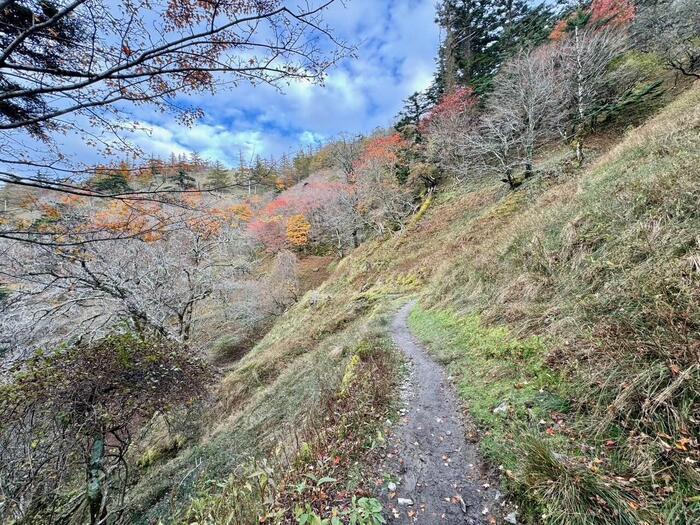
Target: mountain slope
(573,304)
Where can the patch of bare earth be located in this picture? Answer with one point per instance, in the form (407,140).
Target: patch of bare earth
(434,473)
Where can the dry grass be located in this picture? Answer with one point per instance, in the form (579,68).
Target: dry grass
(600,264)
(604,267)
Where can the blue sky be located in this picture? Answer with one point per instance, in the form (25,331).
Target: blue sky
(396,41)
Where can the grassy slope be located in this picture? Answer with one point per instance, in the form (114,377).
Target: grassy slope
(574,299)
(598,278)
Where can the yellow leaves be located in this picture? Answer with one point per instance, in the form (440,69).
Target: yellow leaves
(243,212)
(50,212)
(145,220)
(298,230)
(683,444)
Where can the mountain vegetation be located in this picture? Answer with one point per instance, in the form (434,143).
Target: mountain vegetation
(183,341)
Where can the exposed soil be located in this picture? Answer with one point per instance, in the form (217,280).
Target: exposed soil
(429,457)
(313,270)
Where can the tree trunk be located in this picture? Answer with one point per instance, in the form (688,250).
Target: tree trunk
(579,152)
(95,494)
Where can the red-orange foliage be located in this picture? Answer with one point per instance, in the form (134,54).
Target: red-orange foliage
(270,231)
(614,12)
(559,31)
(270,225)
(382,150)
(459,101)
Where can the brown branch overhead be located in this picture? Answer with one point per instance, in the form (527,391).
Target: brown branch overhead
(193,52)
(67,59)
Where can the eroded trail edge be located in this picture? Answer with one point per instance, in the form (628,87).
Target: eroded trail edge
(437,474)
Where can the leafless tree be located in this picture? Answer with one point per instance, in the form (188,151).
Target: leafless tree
(446,144)
(383,203)
(528,90)
(345,151)
(494,146)
(84,293)
(671,28)
(585,55)
(500,138)
(337,222)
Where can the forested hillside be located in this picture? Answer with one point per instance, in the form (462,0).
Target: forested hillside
(188,342)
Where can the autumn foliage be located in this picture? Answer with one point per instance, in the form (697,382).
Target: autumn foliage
(298,229)
(380,151)
(613,12)
(608,13)
(453,104)
(285,221)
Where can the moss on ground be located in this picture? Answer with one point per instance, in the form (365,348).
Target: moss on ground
(506,386)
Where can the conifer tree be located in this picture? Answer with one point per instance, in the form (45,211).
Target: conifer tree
(481,34)
(184,181)
(218,177)
(467,55)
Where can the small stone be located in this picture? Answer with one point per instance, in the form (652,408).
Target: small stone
(512,518)
(502,409)
(405,501)
(391,486)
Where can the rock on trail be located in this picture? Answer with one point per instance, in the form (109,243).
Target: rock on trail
(438,475)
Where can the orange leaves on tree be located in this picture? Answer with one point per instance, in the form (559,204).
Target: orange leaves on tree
(453,104)
(459,101)
(242,212)
(270,231)
(50,212)
(381,151)
(559,31)
(612,12)
(602,13)
(211,222)
(298,230)
(279,223)
(129,218)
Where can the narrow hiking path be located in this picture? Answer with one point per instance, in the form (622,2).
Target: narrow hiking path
(438,474)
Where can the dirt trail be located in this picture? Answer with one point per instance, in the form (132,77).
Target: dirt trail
(438,470)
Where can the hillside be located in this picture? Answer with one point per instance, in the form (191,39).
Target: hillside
(572,302)
(452,276)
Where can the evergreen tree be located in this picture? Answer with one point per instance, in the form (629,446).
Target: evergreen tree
(523,25)
(481,34)
(184,181)
(468,55)
(218,177)
(415,107)
(302,164)
(114,182)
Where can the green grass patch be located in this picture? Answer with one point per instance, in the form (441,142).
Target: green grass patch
(503,381)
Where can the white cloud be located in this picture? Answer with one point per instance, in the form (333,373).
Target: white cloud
(397,42)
